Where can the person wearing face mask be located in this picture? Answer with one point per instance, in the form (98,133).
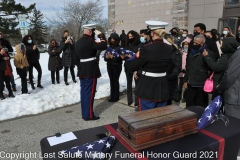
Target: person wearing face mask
(152,89)
(212,35)
(68,61)
(238,35)
(88,68)
(145,36)
(227,32)
(33,56)
(54,62)
(133,44)
(184,33)
(174,69)
(229,46)
(21,64)
(200,29)
(229,85)
(5,72)
(197,71)
(177,39)
(114,67)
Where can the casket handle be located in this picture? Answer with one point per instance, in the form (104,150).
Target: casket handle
(125,134)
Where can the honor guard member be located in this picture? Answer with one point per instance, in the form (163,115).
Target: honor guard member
(154,58)
(88,68)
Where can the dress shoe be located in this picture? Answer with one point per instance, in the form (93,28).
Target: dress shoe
(39,86)
(92,119)
(116,100)
(58,82)
(135,105)
(74,81)
(66,83)
(10,95)
(130,103)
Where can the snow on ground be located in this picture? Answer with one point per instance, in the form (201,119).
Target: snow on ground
(52,96)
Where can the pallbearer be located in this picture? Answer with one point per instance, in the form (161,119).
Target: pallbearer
(88,68)
(152,89)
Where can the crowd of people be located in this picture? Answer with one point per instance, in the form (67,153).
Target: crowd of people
(165,66)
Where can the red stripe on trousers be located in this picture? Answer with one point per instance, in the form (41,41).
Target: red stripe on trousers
(139,104)
(114,133)
(91,99)
(220,140)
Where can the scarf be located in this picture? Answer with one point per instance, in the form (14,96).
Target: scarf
(200,50)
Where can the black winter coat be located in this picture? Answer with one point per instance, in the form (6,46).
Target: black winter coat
(33,56)
(115,62)
(197,70)
(54,58)
(86,47)
(68,56)
(154,58)
(134,48)
(5,43)
(173,71)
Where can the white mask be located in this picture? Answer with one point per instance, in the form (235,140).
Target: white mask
(225,32)
(184,35)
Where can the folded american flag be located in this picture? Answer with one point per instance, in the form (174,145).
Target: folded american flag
(109,49)
(97,150)
(123,51)
(209,113)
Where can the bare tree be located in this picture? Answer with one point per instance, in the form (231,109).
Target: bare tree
(75,13)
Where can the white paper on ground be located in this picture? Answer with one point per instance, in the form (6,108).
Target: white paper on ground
(64,138)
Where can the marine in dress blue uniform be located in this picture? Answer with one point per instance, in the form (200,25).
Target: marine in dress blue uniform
(154,58)
(88,68)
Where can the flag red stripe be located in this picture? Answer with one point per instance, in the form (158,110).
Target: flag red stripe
(220,140)
(114,133)
(139,104)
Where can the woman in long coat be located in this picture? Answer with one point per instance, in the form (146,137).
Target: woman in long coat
(54,62)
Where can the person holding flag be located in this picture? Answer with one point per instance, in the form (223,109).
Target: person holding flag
(88,68)
(114,66)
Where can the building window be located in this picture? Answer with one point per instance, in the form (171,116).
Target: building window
(232,2)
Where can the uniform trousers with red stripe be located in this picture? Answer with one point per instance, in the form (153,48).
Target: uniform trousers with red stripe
(145,104)
(88,89)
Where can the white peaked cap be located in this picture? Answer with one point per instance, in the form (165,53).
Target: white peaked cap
(89,26)
(156,24)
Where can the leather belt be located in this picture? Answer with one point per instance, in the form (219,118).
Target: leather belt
(88,59)
(149,74)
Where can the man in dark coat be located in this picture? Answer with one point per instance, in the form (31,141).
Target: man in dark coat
(197,71)
(123,37)
(68,61)
(88,68)
(175,33)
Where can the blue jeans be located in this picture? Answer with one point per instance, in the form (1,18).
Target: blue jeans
(145,104)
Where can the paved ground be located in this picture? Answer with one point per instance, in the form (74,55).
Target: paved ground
(23,135)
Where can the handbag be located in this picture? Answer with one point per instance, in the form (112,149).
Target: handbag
(208,86)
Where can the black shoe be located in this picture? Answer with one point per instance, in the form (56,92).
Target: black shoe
(33,87)
(53,83)
(130,103)
(116,100)
(74,81)
(66,83)
(58,82)
(135,105)
(39,86)
(10,95)
(91,119)
(2,97)
(26,93)
(14,89)
(110,100)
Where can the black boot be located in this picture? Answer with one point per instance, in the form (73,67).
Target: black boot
(1,96)
(10,95)
(32,85)
(74,80)
(66,83)
(39,86)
